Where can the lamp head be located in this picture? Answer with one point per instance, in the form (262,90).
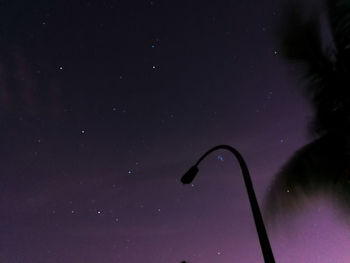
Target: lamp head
(190,175)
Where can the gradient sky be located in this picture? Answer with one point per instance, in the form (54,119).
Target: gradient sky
(105,104)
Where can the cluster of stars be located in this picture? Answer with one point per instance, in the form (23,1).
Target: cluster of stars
(220,158)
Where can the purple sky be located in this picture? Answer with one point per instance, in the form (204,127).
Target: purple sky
(105,104)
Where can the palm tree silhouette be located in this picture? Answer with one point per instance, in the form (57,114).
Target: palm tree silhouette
(323,166)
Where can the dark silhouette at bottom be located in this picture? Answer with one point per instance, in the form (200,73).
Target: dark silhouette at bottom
(259,223)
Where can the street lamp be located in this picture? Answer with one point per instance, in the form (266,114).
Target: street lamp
(259,223)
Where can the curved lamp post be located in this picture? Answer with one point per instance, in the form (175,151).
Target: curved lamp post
(259,223)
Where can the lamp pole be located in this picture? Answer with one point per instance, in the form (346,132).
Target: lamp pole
(259,223)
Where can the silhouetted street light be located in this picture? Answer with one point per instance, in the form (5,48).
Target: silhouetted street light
(259,223)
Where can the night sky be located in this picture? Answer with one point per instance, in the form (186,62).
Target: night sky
(105,104)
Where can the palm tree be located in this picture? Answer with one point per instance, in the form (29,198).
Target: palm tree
(323,166)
